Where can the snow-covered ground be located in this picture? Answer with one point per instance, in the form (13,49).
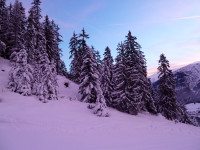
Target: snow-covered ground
(66,124)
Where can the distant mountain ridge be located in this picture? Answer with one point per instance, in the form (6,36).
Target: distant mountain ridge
(187,80)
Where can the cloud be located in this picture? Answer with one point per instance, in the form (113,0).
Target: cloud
(191,17)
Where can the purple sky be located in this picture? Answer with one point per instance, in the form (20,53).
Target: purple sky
(161,26)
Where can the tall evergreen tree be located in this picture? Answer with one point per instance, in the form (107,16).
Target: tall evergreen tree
(53,38)
(78,48)
(167,98)
(60,65)
(90,89)
(107,76)
(17,28)
(133,70)
(134,88)
(36,42)
(119,98)
(4,26)
(74,55)
(49,36)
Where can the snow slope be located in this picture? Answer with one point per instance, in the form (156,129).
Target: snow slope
(66,124)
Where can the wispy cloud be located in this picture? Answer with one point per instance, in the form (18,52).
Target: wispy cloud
(191,17)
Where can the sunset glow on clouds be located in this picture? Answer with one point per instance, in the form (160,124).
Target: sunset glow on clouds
(161,26)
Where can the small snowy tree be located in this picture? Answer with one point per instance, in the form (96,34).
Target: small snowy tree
(45,86)
(20,76)
(89,89)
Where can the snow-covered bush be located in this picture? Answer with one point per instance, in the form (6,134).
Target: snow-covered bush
(20,77)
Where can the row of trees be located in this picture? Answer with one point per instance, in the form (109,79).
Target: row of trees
(33,48)
(124,84)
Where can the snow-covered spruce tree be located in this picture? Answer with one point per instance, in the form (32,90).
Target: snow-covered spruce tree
(119,97)
(74,55)
(167,99)
(107,76)
(135,96)
(49,36)
(60,65)
(82,47)
(35,37)
(4,26)
(53,38)
(17,28)
(90,89)
(97,57)
(21,74)
(45,85)
(167,104)
(44,69)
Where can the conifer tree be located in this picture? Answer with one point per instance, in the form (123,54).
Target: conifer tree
(17,28)
(119,98)
(97,57)
(36,42)
(107,76)
(134,90)
(167,104)
(167,98)
(21,74)
(49,36)
(4,26)
(90,89)
(74,55)
(60,65)
(78,48)
(82,47)
(45,86)
(53,38)
(134,95)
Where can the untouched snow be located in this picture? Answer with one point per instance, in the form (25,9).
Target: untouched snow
(66,124)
